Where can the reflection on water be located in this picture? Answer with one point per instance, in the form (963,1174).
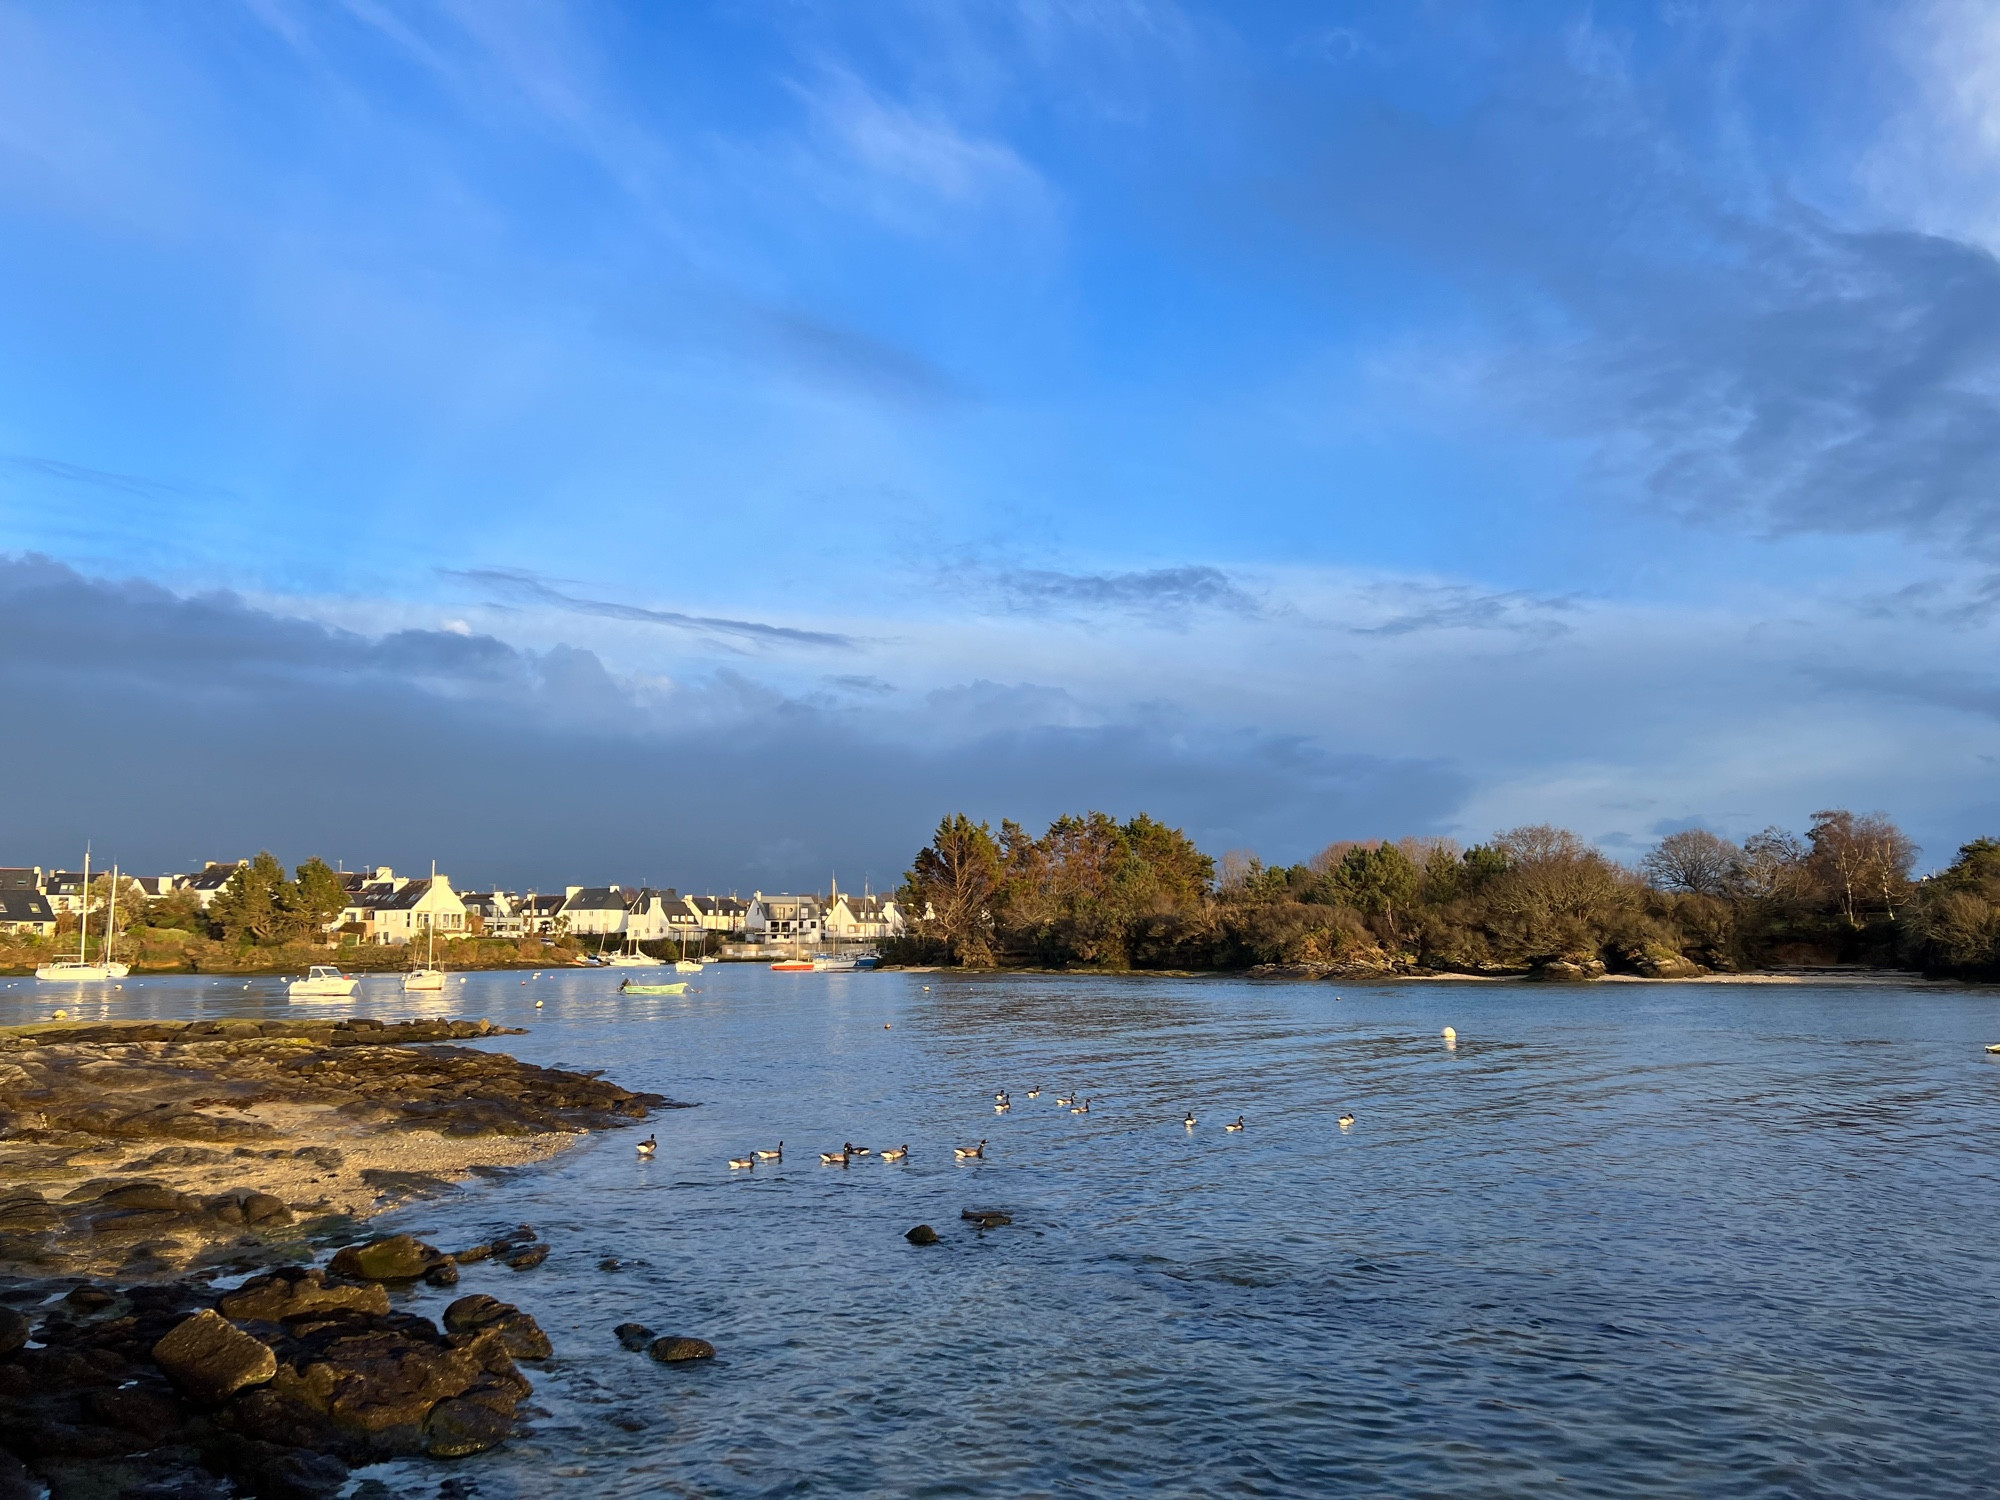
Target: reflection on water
(1618,1241)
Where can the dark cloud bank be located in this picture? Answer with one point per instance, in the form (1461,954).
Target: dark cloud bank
(170,728)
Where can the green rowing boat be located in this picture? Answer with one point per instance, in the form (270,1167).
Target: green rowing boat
(629,988)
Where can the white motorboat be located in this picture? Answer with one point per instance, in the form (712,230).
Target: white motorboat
(321,980)
(630,957)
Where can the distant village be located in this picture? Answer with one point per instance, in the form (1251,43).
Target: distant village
(383,907)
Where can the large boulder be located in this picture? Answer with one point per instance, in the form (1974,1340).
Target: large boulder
(14,1330)
(210,1359)
(519,1334)
(295,1291)
(396,1257)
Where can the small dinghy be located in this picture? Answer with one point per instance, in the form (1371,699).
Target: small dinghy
(629,988)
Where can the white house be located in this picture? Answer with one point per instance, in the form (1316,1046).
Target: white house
(213,877)
(594,909)
(541,916)
(863,918)
(406,911)
(784,919)
(718,913)
(492,914)
(25,909)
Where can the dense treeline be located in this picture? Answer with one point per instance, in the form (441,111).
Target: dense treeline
(1093,892)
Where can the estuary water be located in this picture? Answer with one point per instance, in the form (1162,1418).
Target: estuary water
(1621,1240)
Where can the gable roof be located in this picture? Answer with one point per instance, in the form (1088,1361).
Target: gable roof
(596,898)
(24,906)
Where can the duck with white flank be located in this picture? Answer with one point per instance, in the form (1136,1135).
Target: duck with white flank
(1036,1091)
(1190,1121)
(969,1153)
(1065,1100)
(897,1154)
(1080,1109)
(833,1158)
(1345,1121)
(854,1150)
(777,1155)
(1238,1125)
(742,1161)
(649,1145)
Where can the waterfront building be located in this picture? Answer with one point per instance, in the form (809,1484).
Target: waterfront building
(541,916)
(593,909)
(213,877)
(724,914)
(785,919)
(866,919)
(413,909)
(492,914)
(25,909)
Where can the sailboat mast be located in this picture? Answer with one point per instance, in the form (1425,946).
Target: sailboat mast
(110,913)
(83,913)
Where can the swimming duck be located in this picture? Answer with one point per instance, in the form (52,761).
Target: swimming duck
(1238,1125)
(854,1150)
(1065,1100)
(649,1145)
(1345,1121)
(1001,1097)
(1001,1109)
(742,1161)
(897,1154)
(1080,1109)
(966,1153)
(777,1155)
(1035,1092)
(1190,1121)
(833,1158)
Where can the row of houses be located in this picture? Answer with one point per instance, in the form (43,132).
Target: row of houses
(384,907)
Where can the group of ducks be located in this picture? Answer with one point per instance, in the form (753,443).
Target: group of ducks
(849,1151)
(1003,1101)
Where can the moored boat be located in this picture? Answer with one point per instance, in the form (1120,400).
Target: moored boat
(321,980)
(793,966)
(680,987)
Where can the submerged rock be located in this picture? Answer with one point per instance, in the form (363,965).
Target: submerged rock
(14,1330)
(986,1218)
(634,1336)
(923,1234)
(528,1259)
(210,1359)
(674,1350)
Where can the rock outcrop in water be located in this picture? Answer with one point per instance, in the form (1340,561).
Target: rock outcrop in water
(145,1146)
(274,1390)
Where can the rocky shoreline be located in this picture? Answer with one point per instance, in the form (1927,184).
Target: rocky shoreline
(142,1162)
(146,1148)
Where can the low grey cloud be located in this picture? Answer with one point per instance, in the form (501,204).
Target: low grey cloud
(528,588)
(861,683)
(173,728)
(1415,609)
(1162,594)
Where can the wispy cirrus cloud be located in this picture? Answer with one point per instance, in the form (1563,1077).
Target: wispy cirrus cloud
(33,466)
(1164,595)
(528,588)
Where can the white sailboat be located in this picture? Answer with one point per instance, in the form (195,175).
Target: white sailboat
(111,966)
(684,964)
(79,970)
(430,976)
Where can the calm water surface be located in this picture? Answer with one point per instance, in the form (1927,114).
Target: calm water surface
(1622,1241)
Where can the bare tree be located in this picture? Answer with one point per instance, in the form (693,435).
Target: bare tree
(1860,856)
(1692,860)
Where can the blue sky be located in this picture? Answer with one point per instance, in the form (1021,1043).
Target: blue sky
(705,443)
